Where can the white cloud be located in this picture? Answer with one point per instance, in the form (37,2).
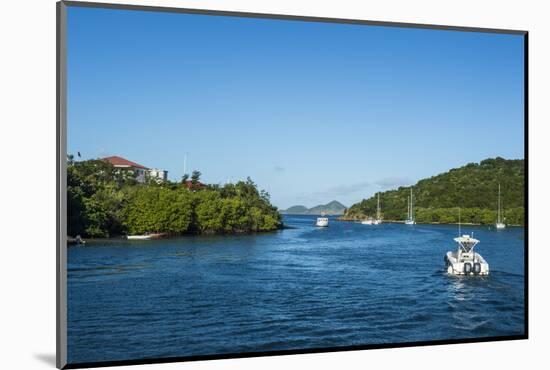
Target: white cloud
(393,182)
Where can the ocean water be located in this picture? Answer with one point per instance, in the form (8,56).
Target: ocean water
(304,287)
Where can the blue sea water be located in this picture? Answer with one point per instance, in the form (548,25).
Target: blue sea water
(304,287)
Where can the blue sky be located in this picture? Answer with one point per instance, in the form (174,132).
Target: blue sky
(313,112)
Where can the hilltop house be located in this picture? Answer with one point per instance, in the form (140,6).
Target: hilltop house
(189,185)
(141,172)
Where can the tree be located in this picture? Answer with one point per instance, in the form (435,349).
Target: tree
(195,177)
(473,187)
(104,201)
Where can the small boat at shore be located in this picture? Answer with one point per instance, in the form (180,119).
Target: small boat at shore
(146,236)
(76,240)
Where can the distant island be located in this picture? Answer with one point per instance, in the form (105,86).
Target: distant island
(331,208)
(473,188)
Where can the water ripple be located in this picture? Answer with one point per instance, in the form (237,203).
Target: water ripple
(297,288)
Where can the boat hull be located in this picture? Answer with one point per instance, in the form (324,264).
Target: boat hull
(146,236)
(138,237)
(476,266)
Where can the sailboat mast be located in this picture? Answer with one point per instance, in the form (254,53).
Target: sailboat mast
(498,214)
(412,206)
(378,208)
(408,207)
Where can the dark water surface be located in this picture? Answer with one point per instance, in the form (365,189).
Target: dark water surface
(348,284)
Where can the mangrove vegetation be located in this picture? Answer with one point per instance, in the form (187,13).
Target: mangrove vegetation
(104,201)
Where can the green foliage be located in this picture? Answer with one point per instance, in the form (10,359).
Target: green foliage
(103,201)
(473,187)
(158,209)
(195,177)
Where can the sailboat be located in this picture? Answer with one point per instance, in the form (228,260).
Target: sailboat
(378,219)
(410,210)
(499,225)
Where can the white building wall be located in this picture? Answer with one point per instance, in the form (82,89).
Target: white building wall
(157,174)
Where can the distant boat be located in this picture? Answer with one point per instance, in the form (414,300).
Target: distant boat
(378,219)
(138,237)
(146,236)
(76,240)
(322,222)
(499,225)
(410,210)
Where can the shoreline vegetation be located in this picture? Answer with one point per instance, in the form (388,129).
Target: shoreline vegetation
(108,202)
(105,202)
(473,188)
(428,223)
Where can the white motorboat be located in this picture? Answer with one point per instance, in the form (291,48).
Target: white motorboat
(368,221)
(464,261)
(145,236)
(321,222)
(499,225)
(138,237)
(410,210)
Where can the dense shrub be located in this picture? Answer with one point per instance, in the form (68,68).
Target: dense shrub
(103,201)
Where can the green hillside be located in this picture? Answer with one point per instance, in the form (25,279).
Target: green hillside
(473,188)
(296,210)
(331,208)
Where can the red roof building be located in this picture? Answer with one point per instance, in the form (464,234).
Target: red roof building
(117,161)
(139,170)
(189,185)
